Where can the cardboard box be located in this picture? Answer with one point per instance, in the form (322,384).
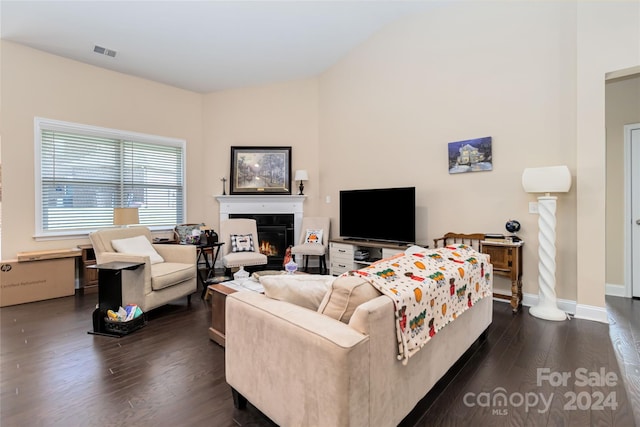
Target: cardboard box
(50,254)
(30,281)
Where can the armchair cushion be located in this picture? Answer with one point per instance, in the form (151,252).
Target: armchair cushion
(308,249)
(305,290)
(345,295)
(138,245)
(167,274)
(242,243)
(238,259)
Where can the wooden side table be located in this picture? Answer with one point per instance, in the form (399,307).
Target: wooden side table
(203,248)
(88,275)
(506,259)
(219,294)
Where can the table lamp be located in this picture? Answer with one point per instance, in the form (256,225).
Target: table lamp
(125,216)
(301,175)
(552,179)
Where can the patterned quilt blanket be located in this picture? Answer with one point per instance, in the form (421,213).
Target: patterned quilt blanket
(430,288)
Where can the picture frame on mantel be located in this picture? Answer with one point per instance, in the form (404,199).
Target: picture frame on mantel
(260,170)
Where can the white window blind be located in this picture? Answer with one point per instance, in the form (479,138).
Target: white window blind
(85,172)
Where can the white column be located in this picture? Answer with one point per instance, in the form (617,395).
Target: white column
(547,307)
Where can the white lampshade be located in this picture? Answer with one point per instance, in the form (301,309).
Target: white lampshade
(301,175)
(125,216)
(551,179)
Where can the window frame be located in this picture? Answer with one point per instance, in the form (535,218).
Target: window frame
(41,124)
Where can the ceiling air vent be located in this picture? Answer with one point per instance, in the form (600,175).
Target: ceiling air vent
(104,51)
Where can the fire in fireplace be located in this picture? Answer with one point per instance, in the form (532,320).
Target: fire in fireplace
(275,235)
(268,248)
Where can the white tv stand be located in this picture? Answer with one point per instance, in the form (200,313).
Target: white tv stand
(342,253)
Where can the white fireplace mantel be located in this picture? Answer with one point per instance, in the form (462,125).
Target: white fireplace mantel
(267,204)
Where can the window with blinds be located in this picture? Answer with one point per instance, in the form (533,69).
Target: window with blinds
(85,172)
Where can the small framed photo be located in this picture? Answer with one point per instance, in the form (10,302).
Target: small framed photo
(260,170)
(471,155)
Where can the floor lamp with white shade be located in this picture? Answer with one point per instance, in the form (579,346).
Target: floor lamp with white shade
(552,179)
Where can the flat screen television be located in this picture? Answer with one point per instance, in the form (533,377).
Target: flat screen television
(381,214)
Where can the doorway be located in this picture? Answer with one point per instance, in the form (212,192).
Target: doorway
(622,109)
(632,216)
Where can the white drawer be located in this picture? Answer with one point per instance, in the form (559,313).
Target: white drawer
(340,257)
(338,268)
(341,248)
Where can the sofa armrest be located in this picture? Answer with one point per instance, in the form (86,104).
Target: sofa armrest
(185,254)
(297,366)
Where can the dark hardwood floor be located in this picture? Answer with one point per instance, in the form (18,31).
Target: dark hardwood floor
(624,328)
(52,373)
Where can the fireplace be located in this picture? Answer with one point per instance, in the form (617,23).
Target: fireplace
(253,206)
(275,235)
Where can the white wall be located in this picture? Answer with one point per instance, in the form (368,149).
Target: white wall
(284,114)
(35,83)
(529,74)
(608,39)
(389,109)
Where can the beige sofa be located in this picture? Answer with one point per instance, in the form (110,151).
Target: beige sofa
(154,284)
(303,368)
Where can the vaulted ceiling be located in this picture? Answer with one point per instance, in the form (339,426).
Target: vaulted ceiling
(202,46)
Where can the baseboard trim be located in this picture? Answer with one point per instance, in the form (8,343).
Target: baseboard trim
(579,311)
(591,312)
(615,290)
(565,305)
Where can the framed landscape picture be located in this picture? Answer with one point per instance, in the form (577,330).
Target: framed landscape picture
(260,170)
(471,155)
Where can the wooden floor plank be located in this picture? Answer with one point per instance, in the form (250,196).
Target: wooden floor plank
(53,373)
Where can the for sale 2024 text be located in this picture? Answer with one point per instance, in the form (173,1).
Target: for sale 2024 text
(582,377)
(499,400)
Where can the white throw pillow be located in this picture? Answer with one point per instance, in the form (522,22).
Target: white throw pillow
(138,245)
(313,236)
(242,243)
(305,290)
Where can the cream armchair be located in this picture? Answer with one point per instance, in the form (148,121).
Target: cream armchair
(313,228)
(240,258)
(156,283)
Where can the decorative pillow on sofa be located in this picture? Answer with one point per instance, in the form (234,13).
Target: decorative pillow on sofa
(242,243)
(305,290)
(183,232)
(138,245)
(345,294)
(313,236)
